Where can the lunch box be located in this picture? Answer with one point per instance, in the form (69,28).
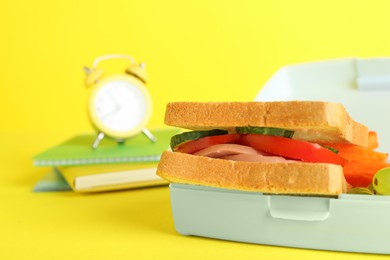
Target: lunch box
(349,222)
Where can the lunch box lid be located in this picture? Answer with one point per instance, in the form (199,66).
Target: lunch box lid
(361,85)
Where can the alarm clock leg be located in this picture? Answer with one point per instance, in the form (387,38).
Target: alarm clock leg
(98,139)
(149,135)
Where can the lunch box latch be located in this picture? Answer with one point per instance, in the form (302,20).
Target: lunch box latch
(373,74)
(299,207)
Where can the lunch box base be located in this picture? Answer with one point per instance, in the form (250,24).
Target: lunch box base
(353,223)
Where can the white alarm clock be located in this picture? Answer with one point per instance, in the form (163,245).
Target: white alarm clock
(119,106)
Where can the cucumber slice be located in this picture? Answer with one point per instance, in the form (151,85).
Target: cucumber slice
(194,135)
(331,149)
(265,131)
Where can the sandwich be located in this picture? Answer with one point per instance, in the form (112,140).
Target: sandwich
(290,147)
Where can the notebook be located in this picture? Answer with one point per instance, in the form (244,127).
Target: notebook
(89,178)
(78,150)
(52,181)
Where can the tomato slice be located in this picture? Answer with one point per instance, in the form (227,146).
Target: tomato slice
(291,148)
(201,143)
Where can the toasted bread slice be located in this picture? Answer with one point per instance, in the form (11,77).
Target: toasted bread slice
(280,178)
(312,121)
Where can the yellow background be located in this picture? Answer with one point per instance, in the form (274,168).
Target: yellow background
(194,50)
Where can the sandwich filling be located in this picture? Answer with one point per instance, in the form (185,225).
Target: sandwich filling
(275,145)
(255,144)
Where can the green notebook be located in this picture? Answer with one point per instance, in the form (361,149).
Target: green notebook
(78,150)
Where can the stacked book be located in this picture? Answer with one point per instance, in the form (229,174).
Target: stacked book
(74,165)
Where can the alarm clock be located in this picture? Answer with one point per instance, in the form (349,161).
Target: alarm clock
(119,106)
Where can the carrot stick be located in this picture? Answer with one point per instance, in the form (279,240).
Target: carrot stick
(372,140)
(357,153)
(360,173)
(362,163)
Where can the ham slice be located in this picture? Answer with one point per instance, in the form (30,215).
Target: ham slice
(237,152)
(255,158)
(221,150)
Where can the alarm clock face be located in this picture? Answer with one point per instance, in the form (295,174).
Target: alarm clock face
(120,106)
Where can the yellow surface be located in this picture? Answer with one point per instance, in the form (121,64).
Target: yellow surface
(133,224)
(195,50)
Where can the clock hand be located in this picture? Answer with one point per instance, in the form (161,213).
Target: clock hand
(110,113)
(116,104)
